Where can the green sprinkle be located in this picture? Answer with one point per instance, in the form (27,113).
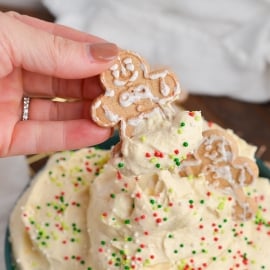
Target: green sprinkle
(143,138)
(182,124)
(112,196)
(179,131)
(197,118)
(152,201)
(177,161)
(127,221)
(158,165)
(185,144)
(121,165)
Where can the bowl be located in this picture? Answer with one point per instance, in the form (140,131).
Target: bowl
(264,171)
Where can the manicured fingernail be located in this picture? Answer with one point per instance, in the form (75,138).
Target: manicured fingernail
(103,51)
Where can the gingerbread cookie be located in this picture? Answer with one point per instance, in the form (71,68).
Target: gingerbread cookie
(132,92)
(217,158)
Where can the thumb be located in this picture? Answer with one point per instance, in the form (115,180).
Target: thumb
(42,52)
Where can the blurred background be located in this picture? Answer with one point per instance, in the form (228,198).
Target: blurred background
(218,49)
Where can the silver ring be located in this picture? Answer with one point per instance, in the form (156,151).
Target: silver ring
(26,104)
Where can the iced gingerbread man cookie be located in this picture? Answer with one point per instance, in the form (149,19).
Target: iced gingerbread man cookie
(217,158)
(132,92)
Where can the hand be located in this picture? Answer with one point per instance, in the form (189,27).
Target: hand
(43,60)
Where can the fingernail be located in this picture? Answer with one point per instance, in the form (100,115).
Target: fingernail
(103,51)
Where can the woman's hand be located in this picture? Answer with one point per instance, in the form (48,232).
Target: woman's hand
(44,60)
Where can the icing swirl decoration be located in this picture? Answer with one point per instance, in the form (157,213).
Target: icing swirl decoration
(132,92)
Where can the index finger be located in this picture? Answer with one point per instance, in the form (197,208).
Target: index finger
(38,85)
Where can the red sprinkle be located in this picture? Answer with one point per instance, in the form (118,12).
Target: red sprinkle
(158,154)
(119,175)
(89,169)
(158,220)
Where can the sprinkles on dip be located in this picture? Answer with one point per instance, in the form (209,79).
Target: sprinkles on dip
(153,202)
(99,215)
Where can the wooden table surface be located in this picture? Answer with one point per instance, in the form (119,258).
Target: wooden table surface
(250,121)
